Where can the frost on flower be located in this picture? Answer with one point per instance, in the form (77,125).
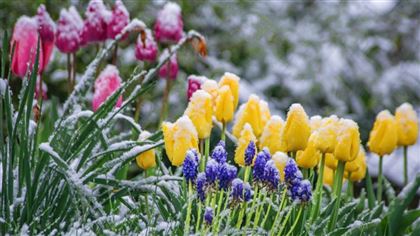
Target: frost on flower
(119,19)
(169,24)
(108,81)
(69,28)
(96,22)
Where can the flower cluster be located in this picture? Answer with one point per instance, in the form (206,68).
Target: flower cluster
(298,189)
(190,166)
(240,191)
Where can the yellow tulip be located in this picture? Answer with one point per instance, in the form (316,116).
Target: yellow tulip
(407,125)
(179,137)
(271,136)
(384,135)
(146,159)
(255,113)
(359,174)
(309,157)
(211,87)
(280,160)
(327,134)
(296,130)
(200,111)
(232,81)
(328,176)
(330,161)
(348,140)
(224,108)
(315,122)
(353,166)
(247,135)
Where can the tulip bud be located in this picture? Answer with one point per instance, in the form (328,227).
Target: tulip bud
(271,135)
(327,134)
(105,85)
(384,135)
(232,81)
(170,69)
(247,136)
(359,174)
(200,112)
(348,140)
(179,137)
(407,125)
(212,88)
(330,161)
(224,107)
(251,113)
(194,84)
(25,39)
(309,157)
(96,22)
(119,19)
(280,160)
(353,166)
(69,28)
(169,25)
(148,50)
(46,29)
(315,122)
(147,159)
(296,130)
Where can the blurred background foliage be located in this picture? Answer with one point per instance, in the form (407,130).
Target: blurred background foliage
(350,58)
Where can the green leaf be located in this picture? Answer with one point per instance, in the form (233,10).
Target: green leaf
(369,188)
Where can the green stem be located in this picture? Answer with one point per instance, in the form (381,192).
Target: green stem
(318,190)
(202,159)
(207,150)
(282,203)
(337,194)
(285,221)
(405,166)
(223,135)
(349,188)
(219,206)
(296,221)
(188,219)
(261,197)
(380,180)
(197,224)
(246,174)
(241,215)
(251,213)
(267,213)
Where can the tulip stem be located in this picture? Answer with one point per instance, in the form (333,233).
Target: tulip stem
(114,55)
(405,165)
(379,193)
(338,182)
(318,190)
(207,149)
(223,136)
(188,219)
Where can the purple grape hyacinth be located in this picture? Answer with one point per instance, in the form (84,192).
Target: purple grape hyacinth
(212,171)
(227,173)
(208,215)
(292,173)
(219,152)
(259,165)
(190,166)
(241,191)
(271,175)
(301,192)
(250,153)
(201,186)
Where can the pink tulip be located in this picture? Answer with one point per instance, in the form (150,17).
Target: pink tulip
(146,51)
(169,25)
(46,29)
(96,22)
(119,19)
(107,82)
(25,39)
(69,27)
(194,84)
(171,66)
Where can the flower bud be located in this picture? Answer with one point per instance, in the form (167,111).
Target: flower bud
(348,140)
(359,174)
(280,160)
(148,50)
(46,29)
(296,131)
(147,159)
(232,81)
(247,135)
(212,88)
(169,24)
(194,84)
(271,135)
(353,166)
(384,134)
(179,137)
(200,112)
(252,113)
(309,157)
(224,107)
(330,161)
(105,85)
(327,135)
(69,28)
(170,69)
(119,19)
(407,125)
(96,22)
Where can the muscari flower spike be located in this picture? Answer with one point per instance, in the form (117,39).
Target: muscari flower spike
(241,191)
(219,152)
(301,192)
(271,175)
(250,153)
(208,215)
(227,173)
(292,174)
(212,171)
(201,186)
(190,166)
(259,165)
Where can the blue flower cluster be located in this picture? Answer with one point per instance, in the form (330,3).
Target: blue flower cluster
(240,191)
(250,153)
(299,190)
(265,171)
(219,152)
(190,166)
(271,175)
(208,215)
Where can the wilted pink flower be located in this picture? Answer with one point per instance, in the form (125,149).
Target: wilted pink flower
(119,19)
(25,39)
(169,25)
(107,82)
(69,28)
(194,84)
(171,66)
(146,51)
(96,22)
(46,29)
(40,89)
